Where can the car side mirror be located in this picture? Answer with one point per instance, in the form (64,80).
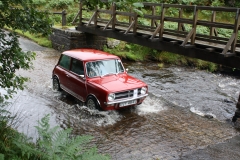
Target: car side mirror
(82,76)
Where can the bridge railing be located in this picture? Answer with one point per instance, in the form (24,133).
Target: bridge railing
(64,16)
(129,23)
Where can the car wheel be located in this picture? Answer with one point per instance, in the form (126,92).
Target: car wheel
(92,103)
(56,85)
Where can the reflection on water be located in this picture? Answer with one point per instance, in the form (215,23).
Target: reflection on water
(170,122)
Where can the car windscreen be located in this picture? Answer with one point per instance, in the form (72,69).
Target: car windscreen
(104,67)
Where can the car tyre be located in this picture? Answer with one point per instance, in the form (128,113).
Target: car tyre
(56,84)
(92,103)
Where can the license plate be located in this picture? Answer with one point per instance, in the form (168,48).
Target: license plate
(127,103)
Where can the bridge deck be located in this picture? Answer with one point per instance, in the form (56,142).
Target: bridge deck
(213,48)
(210,46)
(172,38)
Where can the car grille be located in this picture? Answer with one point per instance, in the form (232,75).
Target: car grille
(126,94)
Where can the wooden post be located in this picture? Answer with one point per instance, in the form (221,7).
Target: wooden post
(80,13)
(135,23)
(194,25)
(114,16)
(95,17)
(130,17)
(212,29)
(108,23)
(153,13)
(180,16)
(188,37)
(162,21)
(230,41)
(237,19)
(64,18)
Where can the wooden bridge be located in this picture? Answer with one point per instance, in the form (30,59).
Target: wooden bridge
(183,38)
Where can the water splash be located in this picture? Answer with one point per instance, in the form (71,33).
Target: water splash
(150,105)
(100,118)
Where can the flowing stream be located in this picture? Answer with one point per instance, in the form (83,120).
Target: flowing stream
(186,110)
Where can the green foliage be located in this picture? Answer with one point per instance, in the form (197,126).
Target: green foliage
(217,3)
(237,4)
(21,14)
(170,25)
(134,5)
(55,143)
(11,59)
(39,3)
(60,4)
(224,32)
(17,14)
(71,14)
(201,64)
(171,58)
(1,156)
(57,19)
(168,57)
(38,38)
(203,30)
(195,2)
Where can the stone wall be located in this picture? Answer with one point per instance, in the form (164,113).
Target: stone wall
(63,40)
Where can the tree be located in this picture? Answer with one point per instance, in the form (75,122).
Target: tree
(23,15)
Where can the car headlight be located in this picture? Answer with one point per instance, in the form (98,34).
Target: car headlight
(111,96)
(143,90)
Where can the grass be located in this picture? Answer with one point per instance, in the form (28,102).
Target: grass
(38,38)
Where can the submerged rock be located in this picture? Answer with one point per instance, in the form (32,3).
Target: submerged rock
(208,116)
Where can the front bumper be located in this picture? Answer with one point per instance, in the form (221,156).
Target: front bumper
(125,100)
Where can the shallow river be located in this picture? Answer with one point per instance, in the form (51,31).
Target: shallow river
(186,110)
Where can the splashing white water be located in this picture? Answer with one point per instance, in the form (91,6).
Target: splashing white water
(150,105)
(100,118)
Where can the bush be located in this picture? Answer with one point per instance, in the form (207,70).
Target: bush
(40,2)
(60,4)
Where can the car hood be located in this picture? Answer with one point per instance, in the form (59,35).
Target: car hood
(120,82)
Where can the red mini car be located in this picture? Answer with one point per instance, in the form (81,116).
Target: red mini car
(98,79)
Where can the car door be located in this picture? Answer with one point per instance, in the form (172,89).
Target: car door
(63,71)
(77,79)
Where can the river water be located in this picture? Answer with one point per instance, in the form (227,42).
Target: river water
(186,110)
